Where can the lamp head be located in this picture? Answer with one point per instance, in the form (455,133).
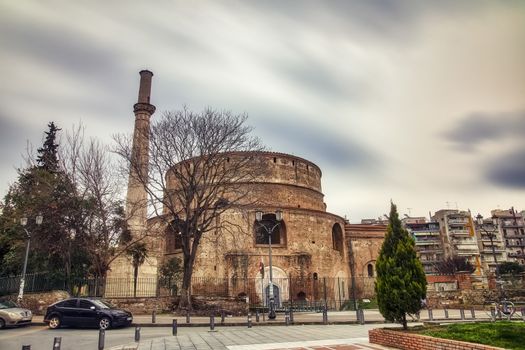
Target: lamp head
(258,215)
(39,218)
(479,219)
(23,221)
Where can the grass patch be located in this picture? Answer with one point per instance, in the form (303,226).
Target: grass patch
(508,335)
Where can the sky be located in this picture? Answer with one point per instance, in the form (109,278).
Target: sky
(418,102)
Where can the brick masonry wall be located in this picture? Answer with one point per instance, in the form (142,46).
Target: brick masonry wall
(404,340)
(202,306)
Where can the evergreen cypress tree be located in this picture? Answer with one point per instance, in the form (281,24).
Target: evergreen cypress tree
(401,283)
(48,154)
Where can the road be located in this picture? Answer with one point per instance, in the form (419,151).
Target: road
(41,338)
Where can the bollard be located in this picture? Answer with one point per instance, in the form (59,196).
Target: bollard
(492,314)
(361,316)
(174,327)
(154,316)
(462,313)
(523,313)
(57,342)
(472,313)
(430,314)
(446,313)
(264,316)
(287,318)
(257,315)
(291,315)
(101,339)
(212,323)
(26,347)
(249,320)
(137,334)
(187,316)
(325,315)
(222,316)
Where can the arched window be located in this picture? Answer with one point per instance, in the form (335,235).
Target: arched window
(267,223)
(337,238)
(370,269)
(173,238)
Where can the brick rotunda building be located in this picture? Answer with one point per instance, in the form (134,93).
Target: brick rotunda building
(311,248)
(307,244)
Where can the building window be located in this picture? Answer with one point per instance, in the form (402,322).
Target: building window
(173,238)
(278,234)
(337,238)
(370,269)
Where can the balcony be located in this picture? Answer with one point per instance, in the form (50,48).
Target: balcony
(425,233)
(459,232)
(511,223)
(458,221)
(516,255)
(427,242)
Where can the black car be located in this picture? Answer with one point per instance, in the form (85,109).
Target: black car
(86,312)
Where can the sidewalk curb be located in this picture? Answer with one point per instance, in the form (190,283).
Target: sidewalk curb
(237,324)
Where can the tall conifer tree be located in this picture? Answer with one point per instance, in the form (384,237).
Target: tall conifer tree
(48,153)
(401,283)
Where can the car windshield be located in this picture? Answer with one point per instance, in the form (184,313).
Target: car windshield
(7,304)
(102,304)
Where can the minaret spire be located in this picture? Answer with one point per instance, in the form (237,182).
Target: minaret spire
(136,200)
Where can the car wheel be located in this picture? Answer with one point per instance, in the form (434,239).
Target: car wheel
(54,322)
(104,323)
(2,323)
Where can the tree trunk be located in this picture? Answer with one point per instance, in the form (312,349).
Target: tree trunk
(185,294)
(404,322)
(135,275)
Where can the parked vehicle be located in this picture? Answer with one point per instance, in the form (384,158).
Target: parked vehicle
(86,312)
(13,315)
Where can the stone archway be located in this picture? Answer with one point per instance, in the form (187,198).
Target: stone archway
(280,282)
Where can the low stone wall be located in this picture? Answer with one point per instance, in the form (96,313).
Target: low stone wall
(38,302)
(143,305)
(411,341)
(202,306)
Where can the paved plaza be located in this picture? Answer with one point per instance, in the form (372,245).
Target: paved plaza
(265,338)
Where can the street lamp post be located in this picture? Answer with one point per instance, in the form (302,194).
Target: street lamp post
(491,235)
(269,231)
(23,222)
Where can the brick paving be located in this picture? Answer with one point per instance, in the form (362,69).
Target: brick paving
(337,337)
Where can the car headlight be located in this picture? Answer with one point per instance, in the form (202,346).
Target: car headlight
(13,315)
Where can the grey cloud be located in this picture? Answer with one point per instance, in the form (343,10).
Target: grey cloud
(69,51)
(479,127)
(509,170)
(311,142)
(382,19)
(321,79)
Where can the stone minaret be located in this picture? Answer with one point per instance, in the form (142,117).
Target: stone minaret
(121,274)
(136,200)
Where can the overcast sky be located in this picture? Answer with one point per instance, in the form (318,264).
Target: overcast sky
(421,102)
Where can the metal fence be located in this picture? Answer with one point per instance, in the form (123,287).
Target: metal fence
(301,293)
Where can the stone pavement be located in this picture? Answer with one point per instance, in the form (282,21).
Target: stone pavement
(349,337)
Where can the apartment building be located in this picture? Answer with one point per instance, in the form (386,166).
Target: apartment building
(458,236)
(429,246)
(512,229)
(490,243)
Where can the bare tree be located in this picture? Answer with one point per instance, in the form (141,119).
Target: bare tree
(454,264)
(197,165)
(102,227)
